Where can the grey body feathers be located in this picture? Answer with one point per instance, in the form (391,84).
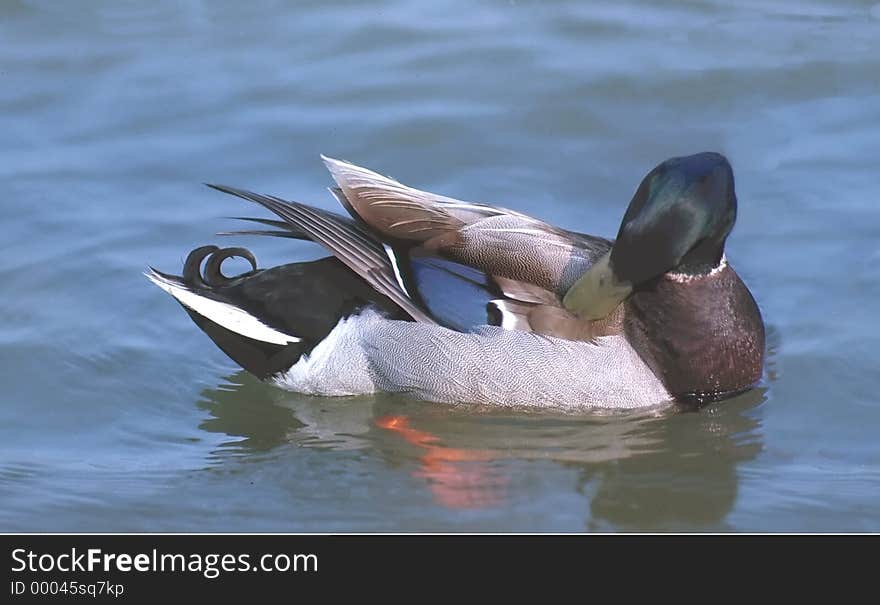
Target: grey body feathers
(368,353)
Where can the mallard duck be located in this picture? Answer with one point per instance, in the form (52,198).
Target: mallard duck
(455,301)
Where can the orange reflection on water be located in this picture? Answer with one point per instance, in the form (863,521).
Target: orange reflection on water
(457,478)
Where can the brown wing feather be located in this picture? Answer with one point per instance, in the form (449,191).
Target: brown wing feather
(497,241)
(532,263)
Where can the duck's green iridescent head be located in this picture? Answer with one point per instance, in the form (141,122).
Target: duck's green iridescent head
(678,220)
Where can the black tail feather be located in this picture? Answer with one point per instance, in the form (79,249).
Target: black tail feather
(305,300)
(262,359)
(346,239)
(268,232)
(213,274)
(285,229)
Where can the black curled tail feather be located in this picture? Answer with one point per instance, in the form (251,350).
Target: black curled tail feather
(192,266)
(213,276)
(302,300)
(263,359)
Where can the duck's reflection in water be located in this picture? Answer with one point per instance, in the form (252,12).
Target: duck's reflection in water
(690,481)
(644,469)
(649,469)
(457,477)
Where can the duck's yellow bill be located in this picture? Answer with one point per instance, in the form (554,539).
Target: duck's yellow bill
(598,291)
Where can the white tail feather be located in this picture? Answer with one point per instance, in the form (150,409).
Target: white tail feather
(223,314)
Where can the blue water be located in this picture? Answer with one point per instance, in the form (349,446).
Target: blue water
(117,414)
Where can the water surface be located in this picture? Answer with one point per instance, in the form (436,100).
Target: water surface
(117,414)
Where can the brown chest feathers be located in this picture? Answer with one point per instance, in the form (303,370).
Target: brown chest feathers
(703,336)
